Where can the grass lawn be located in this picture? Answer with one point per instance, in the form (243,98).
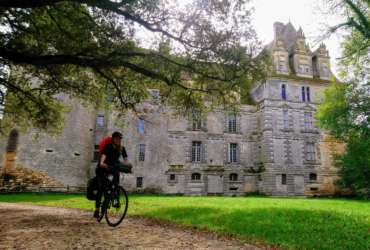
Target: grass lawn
(291,223)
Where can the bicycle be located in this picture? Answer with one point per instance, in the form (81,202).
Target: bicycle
(115,203)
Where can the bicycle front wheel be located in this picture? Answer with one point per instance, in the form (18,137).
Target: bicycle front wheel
(117,208)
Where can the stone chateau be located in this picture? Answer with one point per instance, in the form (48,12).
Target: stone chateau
(272,147)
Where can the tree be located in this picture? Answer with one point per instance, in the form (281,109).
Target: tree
(89,49)
(345,111)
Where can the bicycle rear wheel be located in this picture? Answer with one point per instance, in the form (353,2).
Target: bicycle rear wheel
(117,207)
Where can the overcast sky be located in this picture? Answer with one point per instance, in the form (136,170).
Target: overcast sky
(305,13)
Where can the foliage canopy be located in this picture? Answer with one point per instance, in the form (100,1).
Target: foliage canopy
(204,50)
(345,112)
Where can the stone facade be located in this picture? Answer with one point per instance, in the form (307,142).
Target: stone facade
(272,147)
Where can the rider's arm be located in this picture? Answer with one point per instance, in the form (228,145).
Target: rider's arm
(124,154)
(102,159)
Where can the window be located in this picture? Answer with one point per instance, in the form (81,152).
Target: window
(286,119)
(233,177)
(310,151)
(154,94)
(232,123)
(304,68)
(313,177)
(172,177)
(141,152)
(196,151)
(141,126)
(308,94)
(197,121)
(281,63)
(307,120)
(282,66)
(283,179)
(139,182)
(233,152)
(96,153)
(197,124)
(283,92)
(195,177)
(301,68)
(100,121)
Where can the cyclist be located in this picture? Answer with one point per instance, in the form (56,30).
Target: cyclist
(109,164)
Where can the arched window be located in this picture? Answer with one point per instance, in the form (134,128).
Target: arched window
(313,177)
(233,177)
(283,92)
(195,176)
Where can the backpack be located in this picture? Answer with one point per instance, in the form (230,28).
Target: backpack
(92,189)
(106,140)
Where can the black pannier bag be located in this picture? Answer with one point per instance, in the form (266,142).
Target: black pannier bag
(124,167)
(92,189)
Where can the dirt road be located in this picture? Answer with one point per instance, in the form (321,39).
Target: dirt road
(36,227)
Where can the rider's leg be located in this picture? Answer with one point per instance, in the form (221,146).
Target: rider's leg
(115,173)
(100,175)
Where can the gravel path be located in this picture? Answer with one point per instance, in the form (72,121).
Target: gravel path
(37,227)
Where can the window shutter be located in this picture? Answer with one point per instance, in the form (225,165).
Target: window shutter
(204,123)
(238,124)
(238,153)
(137,153)
(203,152)
(189,123)
(227,158)
(188,149)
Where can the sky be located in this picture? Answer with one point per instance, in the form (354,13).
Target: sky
(308,14)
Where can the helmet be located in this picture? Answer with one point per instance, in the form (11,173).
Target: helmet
(117,135)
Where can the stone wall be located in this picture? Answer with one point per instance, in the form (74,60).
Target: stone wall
(66,156)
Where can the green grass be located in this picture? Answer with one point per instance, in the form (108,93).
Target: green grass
(288,223)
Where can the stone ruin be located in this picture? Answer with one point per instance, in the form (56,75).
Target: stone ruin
(15,177)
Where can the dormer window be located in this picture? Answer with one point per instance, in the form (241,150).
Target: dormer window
(304,68)
(155,95)
(281,66)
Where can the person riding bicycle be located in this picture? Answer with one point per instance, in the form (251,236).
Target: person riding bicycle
(109,164)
